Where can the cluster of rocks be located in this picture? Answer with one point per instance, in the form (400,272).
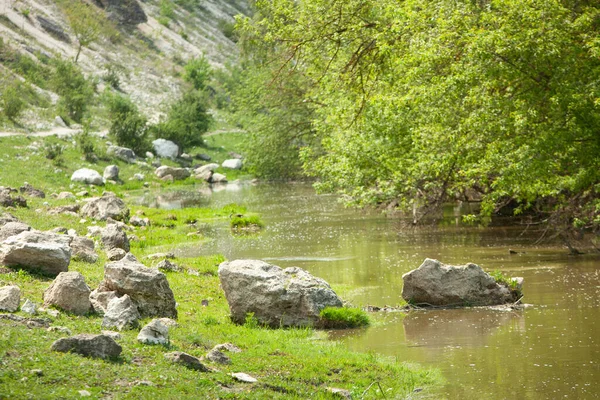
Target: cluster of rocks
(163,149)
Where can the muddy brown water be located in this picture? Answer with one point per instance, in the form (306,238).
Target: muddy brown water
(548,351)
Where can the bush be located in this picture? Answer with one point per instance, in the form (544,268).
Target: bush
(12,102)
(197,71)
(186,121)
(342,318)
(112,75)
(86,145)
(128,127)
(75,91)
(54,152)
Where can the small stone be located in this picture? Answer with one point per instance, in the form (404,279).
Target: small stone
(154,333)
(144,383)
(84,393)
(243,377)
(111,172)
(115,254)
(112,334)
(340,393)
(186,360)
(168,322)
(156,256)
(29,307)
(37,372)
(52,312)
(166,265)
(138,177)
(61,329)
(10,297)
(227,347)
(218,357)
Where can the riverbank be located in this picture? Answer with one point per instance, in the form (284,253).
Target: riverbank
(288,363)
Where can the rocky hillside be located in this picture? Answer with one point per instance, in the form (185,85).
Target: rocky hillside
(145,42)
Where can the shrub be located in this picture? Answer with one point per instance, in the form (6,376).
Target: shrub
(86,145)
(12,101)
(186,121)
(128,127)
(75,91)
(112,75)
(54,152)
(342,318)
(197,71)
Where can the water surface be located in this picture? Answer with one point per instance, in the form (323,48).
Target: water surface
(549,351)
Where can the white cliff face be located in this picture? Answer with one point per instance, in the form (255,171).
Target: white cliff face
(40,29)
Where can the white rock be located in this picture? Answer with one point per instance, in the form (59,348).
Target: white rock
(88,176)
(10,297)
(165,148)
(233,163)
(154,333)
(29,307)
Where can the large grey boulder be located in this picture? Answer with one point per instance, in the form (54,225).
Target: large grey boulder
(277,297)
(437,284)
(82,248)
(48,252)
(88,176)
(107,206)
(10,298)
(121,313)
(165,148)
(148,288)
(12,229)
(155,332)
(176,173)
(122,153)
(97,346)
(69,292)
(113,237)
(234,163)
(111,173)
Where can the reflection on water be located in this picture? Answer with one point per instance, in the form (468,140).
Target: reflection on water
(458,327)
(546,352)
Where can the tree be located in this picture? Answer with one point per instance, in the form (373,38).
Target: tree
(421,100)
(87,22)
(187,120)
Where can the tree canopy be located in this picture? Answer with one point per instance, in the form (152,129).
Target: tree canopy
(417,101)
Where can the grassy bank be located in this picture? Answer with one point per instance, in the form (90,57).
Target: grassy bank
(288,363)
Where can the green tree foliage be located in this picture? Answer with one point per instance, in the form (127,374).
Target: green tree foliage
(128,126)
(187,120)
(87,22)
(75,91)
(421,100)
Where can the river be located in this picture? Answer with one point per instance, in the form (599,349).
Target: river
(548,351)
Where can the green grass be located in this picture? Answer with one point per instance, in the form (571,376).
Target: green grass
(289,363)
(343,317)
(246,223)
